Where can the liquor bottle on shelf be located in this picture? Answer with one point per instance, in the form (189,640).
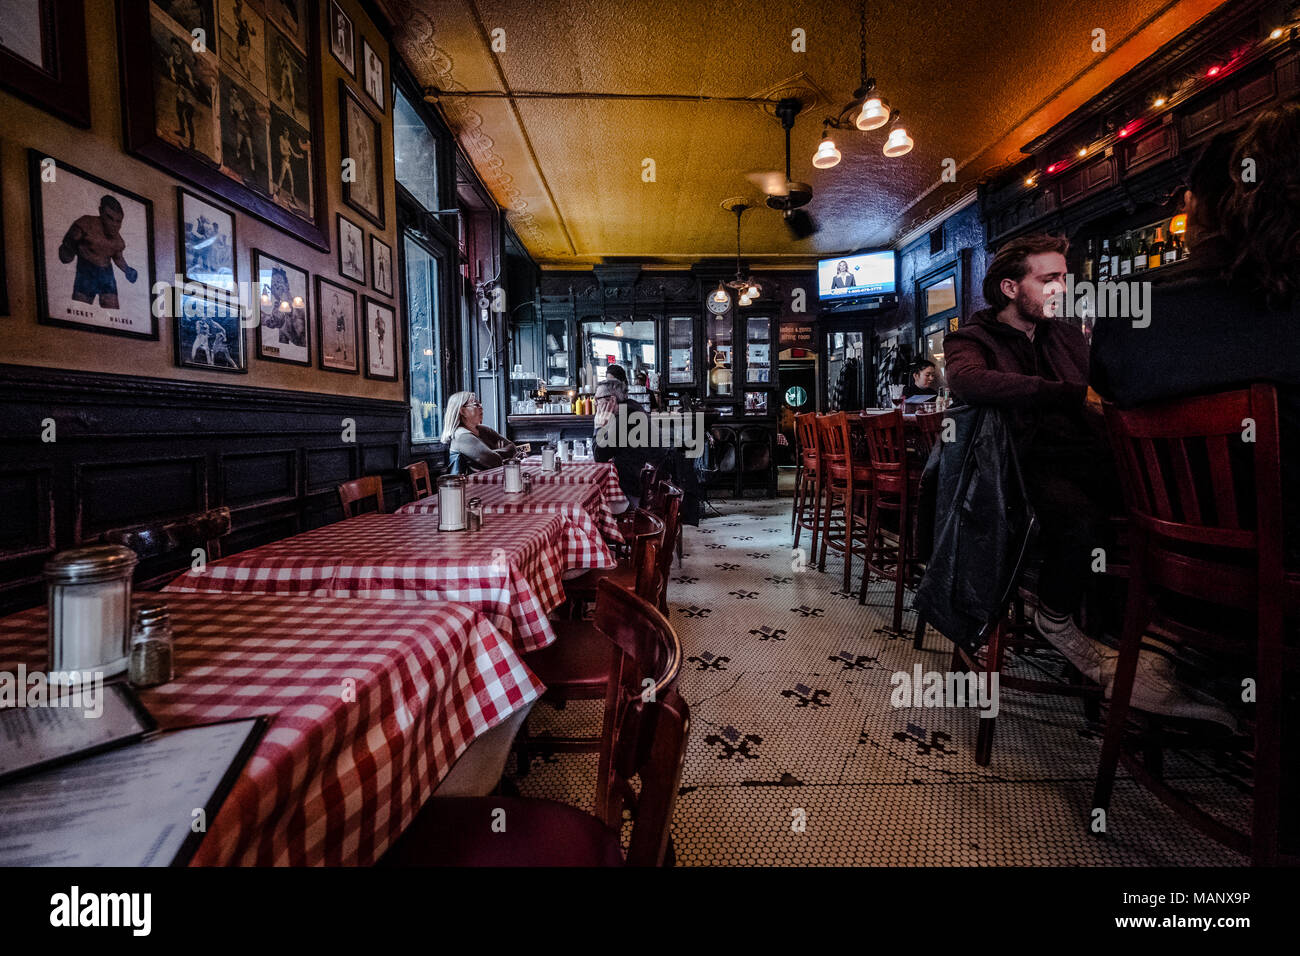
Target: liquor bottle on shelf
(1126,254)
(1141,253)
(1173,249)
(1090,260)
(1103,264)
(1115,256)
(1157,252)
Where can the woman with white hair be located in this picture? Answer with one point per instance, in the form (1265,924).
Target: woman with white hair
(471,445)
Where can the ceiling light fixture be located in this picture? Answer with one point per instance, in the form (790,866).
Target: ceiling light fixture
(746,286)
(827,155)
(867,111)
(1159,102)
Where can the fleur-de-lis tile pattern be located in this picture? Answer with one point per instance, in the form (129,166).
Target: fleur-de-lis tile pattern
(789,683)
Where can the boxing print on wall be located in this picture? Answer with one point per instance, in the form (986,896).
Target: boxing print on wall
(93,246)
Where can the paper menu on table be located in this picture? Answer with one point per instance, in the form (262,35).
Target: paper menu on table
(132,806)
(62,727)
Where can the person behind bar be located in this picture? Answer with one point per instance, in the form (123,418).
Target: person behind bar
(1014,356)
(612,437)
(471,445)
(923,379)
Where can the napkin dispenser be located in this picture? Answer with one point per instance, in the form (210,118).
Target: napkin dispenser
(453,510)
(514,477)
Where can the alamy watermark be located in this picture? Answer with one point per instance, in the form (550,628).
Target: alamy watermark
(84,689)
(1102,299)
(636,429)
(946,689)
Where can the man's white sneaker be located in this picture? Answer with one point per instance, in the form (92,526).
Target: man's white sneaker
(1157,691)
(1091,657)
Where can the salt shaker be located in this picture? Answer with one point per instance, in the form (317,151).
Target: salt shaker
(151,645)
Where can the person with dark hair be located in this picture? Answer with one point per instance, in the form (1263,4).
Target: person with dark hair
(1013,356)
(924,375)
(96,242)
(1231,319)
(617,372)
(843,277)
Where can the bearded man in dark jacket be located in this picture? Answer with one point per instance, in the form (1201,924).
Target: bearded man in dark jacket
(1016,356)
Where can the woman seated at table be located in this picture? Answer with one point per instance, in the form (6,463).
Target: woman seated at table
(471,445)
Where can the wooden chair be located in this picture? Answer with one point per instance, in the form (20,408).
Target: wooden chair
(806,511)
(847,484)
(645,736)
(1205,523)
(176,538)
(421,484)
(895,489)
(644,528)
(360,490)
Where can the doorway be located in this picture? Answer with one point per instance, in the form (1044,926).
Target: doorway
(798,395)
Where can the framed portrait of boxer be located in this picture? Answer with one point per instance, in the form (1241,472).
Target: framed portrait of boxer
(93,245)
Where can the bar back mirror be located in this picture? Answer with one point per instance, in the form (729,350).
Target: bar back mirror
(631,343)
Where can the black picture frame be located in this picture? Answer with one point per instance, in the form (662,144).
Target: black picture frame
(342,246)
(346,96)
(258,256)
(182,252)
(141,139)
(4,280)
(43,313)
(63,87)
(180,335)
(357,319)
(366,51)
(366,303)
(375,241)
(337,14)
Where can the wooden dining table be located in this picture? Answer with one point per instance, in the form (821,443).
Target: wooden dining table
(373,702)
(510,570)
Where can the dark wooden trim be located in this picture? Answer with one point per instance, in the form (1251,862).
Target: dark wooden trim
(141,139)
(131,450)
(65,90)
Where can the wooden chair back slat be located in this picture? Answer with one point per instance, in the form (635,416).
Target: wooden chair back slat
(930,427)
(354,493)
(1221,480)
(832,437)
(886,442)
(805,431)
(421,484)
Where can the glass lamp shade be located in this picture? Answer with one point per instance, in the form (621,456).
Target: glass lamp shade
(898,143)
(744,299)
(753,292)
(827,155)
(720,295)
(874,115)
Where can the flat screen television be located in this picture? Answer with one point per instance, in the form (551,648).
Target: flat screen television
(856,276)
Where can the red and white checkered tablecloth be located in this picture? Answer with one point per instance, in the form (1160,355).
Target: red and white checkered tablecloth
(373,702)
(600,473)
(510,570)
(587,521)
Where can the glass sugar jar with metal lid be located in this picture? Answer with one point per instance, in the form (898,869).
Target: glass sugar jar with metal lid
(452,507)
(152,659)
(512,475)
(548,457)
(89,595)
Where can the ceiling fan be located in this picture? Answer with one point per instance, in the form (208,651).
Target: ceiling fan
(783,193)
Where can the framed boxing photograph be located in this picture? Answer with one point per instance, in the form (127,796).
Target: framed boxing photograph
(361,138)
(240,117)
(209,334)
(207,242)
(284,310)
(381,266)
(337,341)
(342,39)
(4,283)
(93,245)
(381,340)
(352,250)
(43,56)
(373,74)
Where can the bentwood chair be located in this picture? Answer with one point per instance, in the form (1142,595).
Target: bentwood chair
(895,491)
(808,480)
(847,485)
(176,540)
(662,520)
(1205,527)
(358,491)
(645,736)
(421,485)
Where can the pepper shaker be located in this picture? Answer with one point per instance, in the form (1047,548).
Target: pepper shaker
(151,660)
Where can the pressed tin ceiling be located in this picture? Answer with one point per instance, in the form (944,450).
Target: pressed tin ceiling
(975,81)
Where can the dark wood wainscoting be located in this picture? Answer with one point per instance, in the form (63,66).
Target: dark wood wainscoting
(127,451)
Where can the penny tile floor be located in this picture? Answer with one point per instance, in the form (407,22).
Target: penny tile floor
(797,756)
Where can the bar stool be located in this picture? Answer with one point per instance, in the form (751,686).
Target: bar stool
(895,490)
(806,513)
(1205,523)
(847,484)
